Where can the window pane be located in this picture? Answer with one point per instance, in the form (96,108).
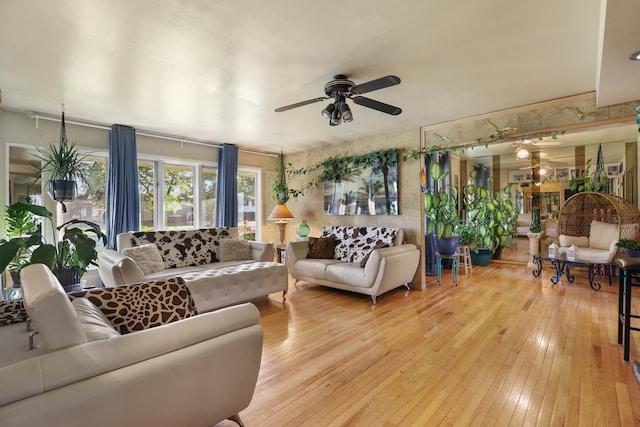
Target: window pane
(90,203)
(178,197)
(146,188)
(247,205)
(209,182)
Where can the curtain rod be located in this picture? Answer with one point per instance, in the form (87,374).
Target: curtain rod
(97,125)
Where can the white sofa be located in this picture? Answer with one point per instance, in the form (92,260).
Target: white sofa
(193,372)
(386,267)
(599,247)
(219,269)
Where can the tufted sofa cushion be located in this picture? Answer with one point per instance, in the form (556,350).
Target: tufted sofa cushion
(184,248)
(143,305)
(354,243)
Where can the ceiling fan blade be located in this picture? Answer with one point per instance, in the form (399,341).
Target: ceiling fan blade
(377,105)
(300,104)
(376,84)
(546,143)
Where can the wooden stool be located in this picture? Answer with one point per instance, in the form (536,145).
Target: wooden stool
(464,254)
(454,266)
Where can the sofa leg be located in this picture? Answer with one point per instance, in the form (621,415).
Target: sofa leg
(284,296)
(374,298)
(236,419)
(406,285)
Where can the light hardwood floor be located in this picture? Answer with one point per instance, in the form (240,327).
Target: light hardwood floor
(502,348)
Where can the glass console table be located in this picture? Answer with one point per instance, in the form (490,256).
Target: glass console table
(562,265)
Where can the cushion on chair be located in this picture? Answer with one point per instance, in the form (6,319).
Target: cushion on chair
(603,234)
(566,241)
(141,306)
(147,257)
(94,323)
(50,309)
(234,250)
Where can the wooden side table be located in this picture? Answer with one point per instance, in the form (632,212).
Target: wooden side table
(454,266)
(281,253)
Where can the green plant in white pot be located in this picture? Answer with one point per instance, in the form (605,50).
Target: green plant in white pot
(440,205)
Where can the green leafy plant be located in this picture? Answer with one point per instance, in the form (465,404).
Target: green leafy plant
(492,215)
(466,234)
(440,205)
(589,181)
(75,250)
(628,244)
(61,162)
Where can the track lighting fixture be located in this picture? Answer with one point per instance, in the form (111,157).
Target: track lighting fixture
(326,113)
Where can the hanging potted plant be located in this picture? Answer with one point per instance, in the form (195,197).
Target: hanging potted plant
(440,205)
(61,165)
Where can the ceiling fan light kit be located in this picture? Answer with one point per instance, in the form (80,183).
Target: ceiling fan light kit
(341,88)
(522,153)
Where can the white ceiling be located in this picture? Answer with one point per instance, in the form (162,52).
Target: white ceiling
(216,70)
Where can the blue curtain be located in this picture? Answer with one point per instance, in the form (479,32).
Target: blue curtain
(227,187)
(123,204)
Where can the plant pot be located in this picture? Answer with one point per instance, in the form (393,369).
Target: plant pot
(632,253)
(497,254)
(69,279)
(447,246)
(62,190)
(15,277)
(481,258)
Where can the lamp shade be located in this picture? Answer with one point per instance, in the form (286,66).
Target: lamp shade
(280,212)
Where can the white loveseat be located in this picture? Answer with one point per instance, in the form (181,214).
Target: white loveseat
(599,247)
(192,372)
(219,268)
(384,268)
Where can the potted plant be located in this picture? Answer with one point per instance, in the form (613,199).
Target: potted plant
(61,166)
(493,216)
(68,257)
(631,247)
(440,205)
(20,224)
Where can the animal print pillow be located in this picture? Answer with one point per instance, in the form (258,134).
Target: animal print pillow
(184,248)
(12,312)
(144,305)
(354,243)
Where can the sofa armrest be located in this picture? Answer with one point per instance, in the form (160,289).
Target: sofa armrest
(116,269)
(261,251)
(395,265)
(296,251)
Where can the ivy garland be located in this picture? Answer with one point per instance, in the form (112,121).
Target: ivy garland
(338,168)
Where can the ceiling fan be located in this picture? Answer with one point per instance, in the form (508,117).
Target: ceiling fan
(341,88)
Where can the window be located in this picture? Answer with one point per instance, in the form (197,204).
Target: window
(247,204)
(209,182)
(178,197)
(90,202)
(146,188)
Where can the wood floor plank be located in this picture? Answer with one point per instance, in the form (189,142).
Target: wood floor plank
(502,348)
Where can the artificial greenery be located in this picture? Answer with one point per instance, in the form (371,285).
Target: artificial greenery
(590,181)
(333,169)
(75,250)
(440,205)
(466,234)
(493,216)
(634,245)
(20,224)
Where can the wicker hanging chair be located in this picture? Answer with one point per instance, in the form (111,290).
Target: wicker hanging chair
(579,210)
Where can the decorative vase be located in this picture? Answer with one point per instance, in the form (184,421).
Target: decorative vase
(447,246)
(303,229)
(535,222)
(481,258)
(632,253)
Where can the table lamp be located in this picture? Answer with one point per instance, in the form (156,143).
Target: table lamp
(280,213)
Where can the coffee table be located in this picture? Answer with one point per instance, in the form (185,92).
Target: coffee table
(563,265)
